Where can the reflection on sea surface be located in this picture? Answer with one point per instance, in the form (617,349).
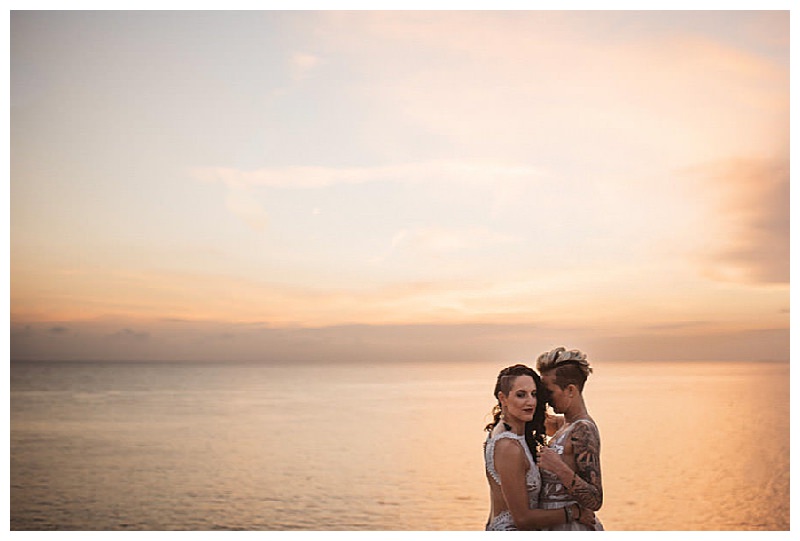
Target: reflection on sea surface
(368,447)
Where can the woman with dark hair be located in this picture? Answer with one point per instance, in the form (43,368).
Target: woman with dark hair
(511,458)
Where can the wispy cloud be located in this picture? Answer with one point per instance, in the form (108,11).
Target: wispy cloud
(597,92)
(442,240)
(751,200)
(129,334)
(307,177)
(677,325)
(247,208)
(438,241)
(215,340)
(302,64)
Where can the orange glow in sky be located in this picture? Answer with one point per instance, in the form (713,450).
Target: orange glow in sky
(338,184)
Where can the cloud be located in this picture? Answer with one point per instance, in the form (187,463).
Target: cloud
(443,240)
(678,325)
(557,85)
(501,185)
(129,334)
(306,177)
(440,241)
(747,344)
(751,244)
(302,64)
(21,331)
(247,208)
(58,330)
(220,341)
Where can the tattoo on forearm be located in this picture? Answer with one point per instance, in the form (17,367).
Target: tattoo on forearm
(588,488)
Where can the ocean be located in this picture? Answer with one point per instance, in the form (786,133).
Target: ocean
(249,446)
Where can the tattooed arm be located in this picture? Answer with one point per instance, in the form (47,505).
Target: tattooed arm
(587,487)
(584,483)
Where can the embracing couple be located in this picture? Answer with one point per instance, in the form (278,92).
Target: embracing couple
(543,470)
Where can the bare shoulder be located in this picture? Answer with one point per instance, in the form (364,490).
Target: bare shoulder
(508,447)
(585,433)
(509,458)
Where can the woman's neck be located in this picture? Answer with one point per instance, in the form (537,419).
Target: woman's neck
(517,426)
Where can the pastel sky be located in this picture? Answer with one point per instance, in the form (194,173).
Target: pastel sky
(386,185)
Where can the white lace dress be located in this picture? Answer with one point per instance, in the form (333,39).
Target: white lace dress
(533,480)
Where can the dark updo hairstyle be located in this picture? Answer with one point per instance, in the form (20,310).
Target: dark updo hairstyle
(534,429)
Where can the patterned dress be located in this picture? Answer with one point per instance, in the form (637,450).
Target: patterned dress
(533,480)
(554,494)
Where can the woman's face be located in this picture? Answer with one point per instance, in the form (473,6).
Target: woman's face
(560,399)
(521,400)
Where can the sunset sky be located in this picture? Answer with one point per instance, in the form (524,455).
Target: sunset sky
(422,185)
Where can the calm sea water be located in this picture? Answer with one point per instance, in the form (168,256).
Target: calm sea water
(190,446)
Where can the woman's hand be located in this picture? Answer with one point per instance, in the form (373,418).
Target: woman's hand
(586,517)
(551,423)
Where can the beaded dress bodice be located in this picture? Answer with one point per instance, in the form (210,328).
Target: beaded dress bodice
(533,479)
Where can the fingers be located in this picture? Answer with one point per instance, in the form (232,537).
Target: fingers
(546,451)
(548,457)
(587,517)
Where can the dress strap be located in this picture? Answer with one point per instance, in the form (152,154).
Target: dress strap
(489,451)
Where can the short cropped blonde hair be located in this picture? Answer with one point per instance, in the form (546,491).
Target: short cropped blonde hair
(570,366)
